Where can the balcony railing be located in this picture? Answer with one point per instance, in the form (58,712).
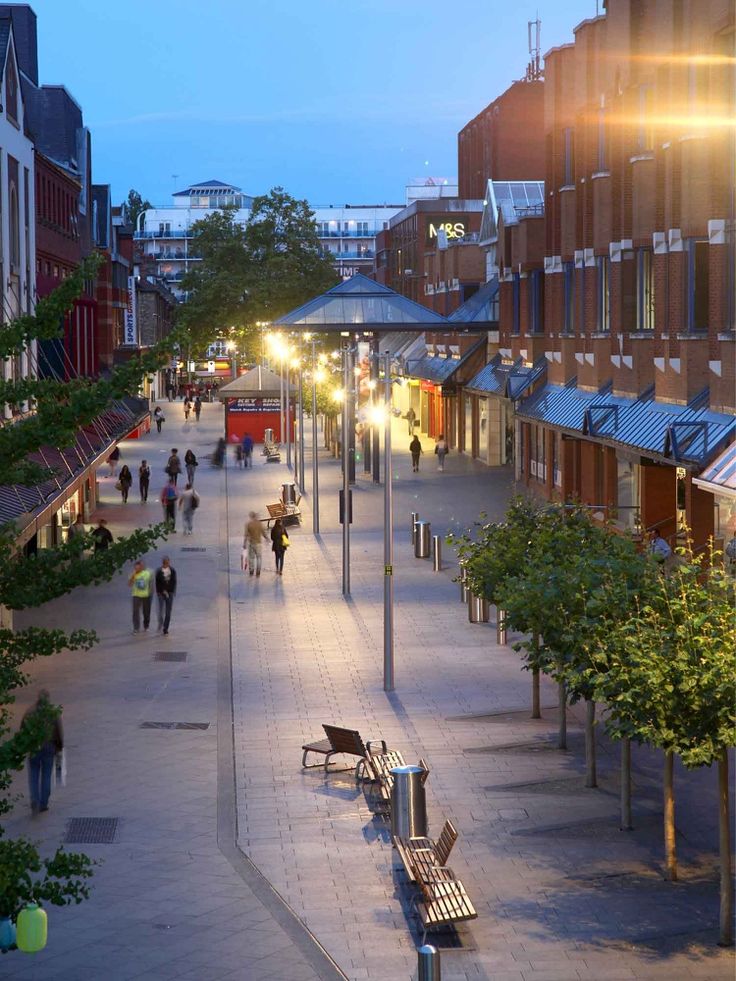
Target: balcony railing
(352,233)
(171,233)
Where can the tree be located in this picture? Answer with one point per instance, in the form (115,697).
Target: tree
(134,206)
(59,409)
(670,681)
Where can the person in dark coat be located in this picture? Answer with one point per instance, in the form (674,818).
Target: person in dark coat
(248,449)
(165,591)
(173,465)
(113,460)
(41,763)
(125,480)
(190,463)
(144,479)
(102,536)
(415,448)
(279,544)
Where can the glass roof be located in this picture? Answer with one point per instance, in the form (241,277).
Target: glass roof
(515,199)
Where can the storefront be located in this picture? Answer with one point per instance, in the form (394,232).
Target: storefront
(253,405)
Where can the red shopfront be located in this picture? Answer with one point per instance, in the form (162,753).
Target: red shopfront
(432,409)
(253,415)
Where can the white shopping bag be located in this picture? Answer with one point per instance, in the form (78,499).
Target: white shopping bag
(244,559)
(60,768)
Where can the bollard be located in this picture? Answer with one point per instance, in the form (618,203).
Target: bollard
(463,580)
(500,626)
(422,539)
(414,519)
(477,609)
(437,553)
(429,964)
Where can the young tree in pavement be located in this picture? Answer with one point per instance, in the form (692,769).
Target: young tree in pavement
(135,206)
(55,410)
(670,681)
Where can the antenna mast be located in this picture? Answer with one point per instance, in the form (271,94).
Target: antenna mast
(534,71)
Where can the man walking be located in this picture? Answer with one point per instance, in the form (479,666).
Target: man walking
(169,497)
(173,465)
(197,408)
(248,450)
(144,479)
(140,581)
(410,417)
(255,535)
(41,763)
(102,536)
(188,504)
(415,448)
(165,590)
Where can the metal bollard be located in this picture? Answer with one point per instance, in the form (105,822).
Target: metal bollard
(429,964)
(414,519)
(477,609)
(500,626)
(463,580)
(437,553)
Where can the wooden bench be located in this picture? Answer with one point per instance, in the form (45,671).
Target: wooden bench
(289,513)
(420,856)
(381,767)
(272,452)
(339,740)
(443,901)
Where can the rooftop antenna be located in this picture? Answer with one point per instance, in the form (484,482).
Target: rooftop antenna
(175,178)
(534,69)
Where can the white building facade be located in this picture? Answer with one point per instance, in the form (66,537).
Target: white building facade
(348,234)
(164,233)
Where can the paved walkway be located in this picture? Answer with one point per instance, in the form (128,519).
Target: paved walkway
(561,894)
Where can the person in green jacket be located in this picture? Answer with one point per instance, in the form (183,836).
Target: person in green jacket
(141,584)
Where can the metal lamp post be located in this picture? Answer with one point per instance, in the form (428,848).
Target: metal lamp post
(301,419)
(346,473)
(388,539)
(315,473)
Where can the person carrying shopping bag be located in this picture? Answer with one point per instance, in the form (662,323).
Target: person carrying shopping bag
(279,544)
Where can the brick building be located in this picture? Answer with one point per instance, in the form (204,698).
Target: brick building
(625,287)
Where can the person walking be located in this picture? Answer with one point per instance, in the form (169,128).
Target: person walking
(76,528)
(187,408)
(173,465)
(197,408)
(239,454)
(441,449)
(140,581)
(165,591)
(41,763)
(169,497)
(253,539)
(279,544)
(218,457)
(248,450)
(415,448)
(113,460)
(410,417)
(125,481)
(159,417)
(144,479)
(659,547)
(102,536)
(188,504)
(190,463)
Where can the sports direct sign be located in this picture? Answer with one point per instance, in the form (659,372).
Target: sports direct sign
(130,325)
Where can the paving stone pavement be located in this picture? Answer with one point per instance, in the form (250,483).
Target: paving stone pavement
(167,902)
(560,892)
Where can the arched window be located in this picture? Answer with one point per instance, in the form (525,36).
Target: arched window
(14,227)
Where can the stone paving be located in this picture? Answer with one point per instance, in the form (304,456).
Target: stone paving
(560,892)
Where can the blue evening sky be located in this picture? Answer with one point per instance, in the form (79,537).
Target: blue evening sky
(337,100)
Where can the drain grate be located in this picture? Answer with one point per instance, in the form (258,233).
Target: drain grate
(174,725)
(170,656)
(91,831)
(193,548)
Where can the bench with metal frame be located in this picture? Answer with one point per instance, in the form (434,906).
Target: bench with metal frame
(272,452)
(381,767)
(442,901)
(289,513)
(420,856)
(342,741)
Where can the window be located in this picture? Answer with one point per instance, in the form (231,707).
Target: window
(644,290)
(603,294)
(697,285)
(645,131)
(516,303)
(14,228)
(11,91)
(362,228)
(556,473)
(536,301)
(568,286)
(568,173)
(628,494)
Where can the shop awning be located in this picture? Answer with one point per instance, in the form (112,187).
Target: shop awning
(440,369)
(510,379)
(720,476)
(688,434)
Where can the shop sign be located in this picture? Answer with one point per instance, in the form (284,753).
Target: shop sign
(130,326)
(248,405)
(453,230)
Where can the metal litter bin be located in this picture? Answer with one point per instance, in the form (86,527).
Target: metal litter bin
(478,611)
(422,539)
(288,493)
(268,436)
(408,802)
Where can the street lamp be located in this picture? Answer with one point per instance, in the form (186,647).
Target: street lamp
(316,376)
(346,404)
(383,413)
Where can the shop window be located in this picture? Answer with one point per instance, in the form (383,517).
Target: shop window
(568,274)
(627,496)
(644,290)
(603,264)
(697,284)
(482,429)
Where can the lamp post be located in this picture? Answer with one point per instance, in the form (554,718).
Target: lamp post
(315,473)
(388,540)
(301,414)
(347,379)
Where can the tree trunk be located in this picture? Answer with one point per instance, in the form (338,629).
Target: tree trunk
(670,853)
(626,824)
(590,767)
(536,712)
(725,937)
(562,713)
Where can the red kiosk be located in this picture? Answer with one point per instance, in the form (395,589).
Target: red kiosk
(252,405)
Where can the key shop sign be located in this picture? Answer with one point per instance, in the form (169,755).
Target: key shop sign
(254,405)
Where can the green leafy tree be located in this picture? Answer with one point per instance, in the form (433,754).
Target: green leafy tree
(56,410)
(670,681)
(135,205)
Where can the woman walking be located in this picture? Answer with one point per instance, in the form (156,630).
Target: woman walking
(441,449)
(190,462)
(415,448)
(125,481)
(279,544)
(187,408)
(41,763)
(158,417)
(188,504)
